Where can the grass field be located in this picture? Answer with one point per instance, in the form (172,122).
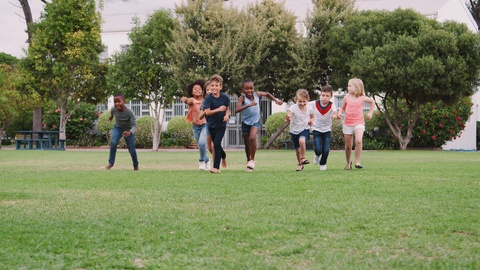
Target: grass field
(405,210)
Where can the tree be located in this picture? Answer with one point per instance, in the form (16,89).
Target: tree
(63,57)
(13,102)
(27,12)
(142,71)
(325,15)
(407,60)
(474,8)
(259,43)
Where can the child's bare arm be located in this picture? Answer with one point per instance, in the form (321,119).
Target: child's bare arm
(239,106)
(270,96)
(188,101)
(372,106)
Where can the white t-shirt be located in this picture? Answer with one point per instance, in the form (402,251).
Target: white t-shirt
(300,119)
(323,115)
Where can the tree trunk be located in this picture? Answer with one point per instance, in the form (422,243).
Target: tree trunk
(1,138)
(27,12)
(275,135)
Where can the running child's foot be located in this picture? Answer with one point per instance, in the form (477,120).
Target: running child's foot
(135,168)
(315,159)
(214,170)
(208,165)
(249,170)
(323,167)
(109,166)
(201,165)
(224,162)
(251,164)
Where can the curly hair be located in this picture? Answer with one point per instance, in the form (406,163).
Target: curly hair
(200,82)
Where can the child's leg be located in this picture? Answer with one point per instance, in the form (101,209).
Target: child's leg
(317,143)
(116,136)
(325,146)
(358,143)
(202,145)
(246,141)
(131,149)
(217,136)
(348,148)
(301,150)
(253,142)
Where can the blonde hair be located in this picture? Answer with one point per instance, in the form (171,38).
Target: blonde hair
(303,94)
(217,78)
(358,83)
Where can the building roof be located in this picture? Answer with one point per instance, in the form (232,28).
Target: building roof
(425,7)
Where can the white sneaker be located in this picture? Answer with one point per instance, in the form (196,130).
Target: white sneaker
(208,165)
(201,165)
(251,164)
(323,167)
(315,159)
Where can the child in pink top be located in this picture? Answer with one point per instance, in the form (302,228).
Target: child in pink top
(194,101)
(354,122)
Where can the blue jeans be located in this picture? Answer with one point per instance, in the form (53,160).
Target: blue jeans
(321,145)
(217,137)
(130,140)
(200,135)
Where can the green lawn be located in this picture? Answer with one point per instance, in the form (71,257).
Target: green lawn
(405,210)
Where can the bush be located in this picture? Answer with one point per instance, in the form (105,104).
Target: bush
(103,125)
(337,141)
(178,133)
(273,123)
(144,135)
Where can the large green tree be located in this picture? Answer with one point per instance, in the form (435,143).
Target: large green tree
(405,59)
(142,71)
(259,43)
(325,15)
(63,56)
(13,101)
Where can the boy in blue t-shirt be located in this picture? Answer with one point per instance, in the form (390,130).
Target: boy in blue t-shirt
(216,109)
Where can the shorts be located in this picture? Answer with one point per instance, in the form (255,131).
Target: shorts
(351,129)
(246,128)
(296,138)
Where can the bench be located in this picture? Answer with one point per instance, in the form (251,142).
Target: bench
(39,140)
(27,144)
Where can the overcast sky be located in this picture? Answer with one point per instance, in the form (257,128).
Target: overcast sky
(12,22)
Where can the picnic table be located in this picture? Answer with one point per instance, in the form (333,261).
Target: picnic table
(39,140)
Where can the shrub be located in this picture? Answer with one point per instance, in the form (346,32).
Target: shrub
(179,131)
(337,141)
(273,123)
(103,125)
(144,135)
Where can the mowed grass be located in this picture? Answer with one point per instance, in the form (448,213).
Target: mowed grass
(405,210)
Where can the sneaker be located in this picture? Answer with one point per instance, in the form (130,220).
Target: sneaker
(249,170)
(323,167)
(201,165)
(315,159)
(208,165)
(251,164)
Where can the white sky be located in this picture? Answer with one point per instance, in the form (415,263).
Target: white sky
(12,23)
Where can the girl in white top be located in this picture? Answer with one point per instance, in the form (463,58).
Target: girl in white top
(324,110)
(300,116)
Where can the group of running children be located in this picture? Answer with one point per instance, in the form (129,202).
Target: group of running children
(208,111)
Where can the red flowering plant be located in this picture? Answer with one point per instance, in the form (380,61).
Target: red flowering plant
(440,123)
(80,122)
